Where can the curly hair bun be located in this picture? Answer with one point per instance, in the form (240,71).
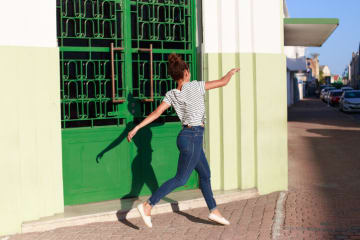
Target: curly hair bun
(174,59)
(176,66)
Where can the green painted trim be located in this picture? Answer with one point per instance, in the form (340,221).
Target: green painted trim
(282,33)
(128,67)
(221,112)
(193,34)
(311,21)
(331,23)
(255,120)
(133,50)
(124,169)
(239,120)
(84,49)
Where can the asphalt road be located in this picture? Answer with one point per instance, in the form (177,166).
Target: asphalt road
(354,115)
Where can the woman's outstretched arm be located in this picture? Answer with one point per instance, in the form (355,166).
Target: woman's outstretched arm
(221,82)
(149,119)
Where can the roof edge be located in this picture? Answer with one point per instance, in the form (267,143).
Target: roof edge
(311,21)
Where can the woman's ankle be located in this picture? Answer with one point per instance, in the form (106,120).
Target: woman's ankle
(147,204)
(147,208)
(216,212)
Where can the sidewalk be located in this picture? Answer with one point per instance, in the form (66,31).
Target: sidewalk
(251,219)
(323,201)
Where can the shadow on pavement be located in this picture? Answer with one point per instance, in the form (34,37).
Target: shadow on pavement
(324,173)
(175,208)
(121,218)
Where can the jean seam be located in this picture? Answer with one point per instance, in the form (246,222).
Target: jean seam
(192,153)
(212,201)
(193,135)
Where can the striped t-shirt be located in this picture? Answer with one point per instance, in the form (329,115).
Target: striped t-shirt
(188,103)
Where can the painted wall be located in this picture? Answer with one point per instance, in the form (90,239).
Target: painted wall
(28,23)
(30,131)
(247,119)
(31,162)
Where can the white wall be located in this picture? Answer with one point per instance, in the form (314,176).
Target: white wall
(30,130)
(294,52)
(28,23)
(242,26)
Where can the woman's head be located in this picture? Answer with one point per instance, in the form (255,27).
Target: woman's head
(178,69)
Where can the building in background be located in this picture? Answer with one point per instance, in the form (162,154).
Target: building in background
(354,71)
(296,73)
(325,71)
(303,73)
(313,64)
(335,78)
(325,75)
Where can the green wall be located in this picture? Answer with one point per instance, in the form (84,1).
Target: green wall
(30,135)
(246,140)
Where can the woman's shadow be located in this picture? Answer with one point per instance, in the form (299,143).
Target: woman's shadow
(141,168)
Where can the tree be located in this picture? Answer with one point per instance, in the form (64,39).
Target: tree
(321,77)
(337,84)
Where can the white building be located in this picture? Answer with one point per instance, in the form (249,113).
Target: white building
(296,73)
(301,33)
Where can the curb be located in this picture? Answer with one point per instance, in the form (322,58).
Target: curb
(279,216)
(117,215)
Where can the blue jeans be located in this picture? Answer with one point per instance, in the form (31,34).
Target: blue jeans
(190,145)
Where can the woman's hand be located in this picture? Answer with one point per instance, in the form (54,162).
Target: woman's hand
(234,70)
(132,133)
(149,119)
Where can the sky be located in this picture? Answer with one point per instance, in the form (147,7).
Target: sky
(337,50)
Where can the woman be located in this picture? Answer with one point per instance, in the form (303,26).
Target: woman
(188,102)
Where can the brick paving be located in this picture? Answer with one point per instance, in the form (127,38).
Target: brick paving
(323,201)
(250,219)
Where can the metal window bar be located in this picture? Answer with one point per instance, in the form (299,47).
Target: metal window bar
(86,28)
(150,50)
(112,49)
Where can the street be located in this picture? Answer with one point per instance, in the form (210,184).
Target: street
(322,202)
(324,173)
(353,115)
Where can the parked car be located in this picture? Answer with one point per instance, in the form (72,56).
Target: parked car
(333,96)
(346,89)
(321,87)
(350,101)
(325,90)
(326,97)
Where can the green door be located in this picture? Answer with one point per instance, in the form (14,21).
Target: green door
(113,61)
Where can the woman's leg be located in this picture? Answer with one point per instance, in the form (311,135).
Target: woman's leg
(204,174)
(188,159)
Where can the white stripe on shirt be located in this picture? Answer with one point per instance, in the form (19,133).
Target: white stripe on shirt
(188,103)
